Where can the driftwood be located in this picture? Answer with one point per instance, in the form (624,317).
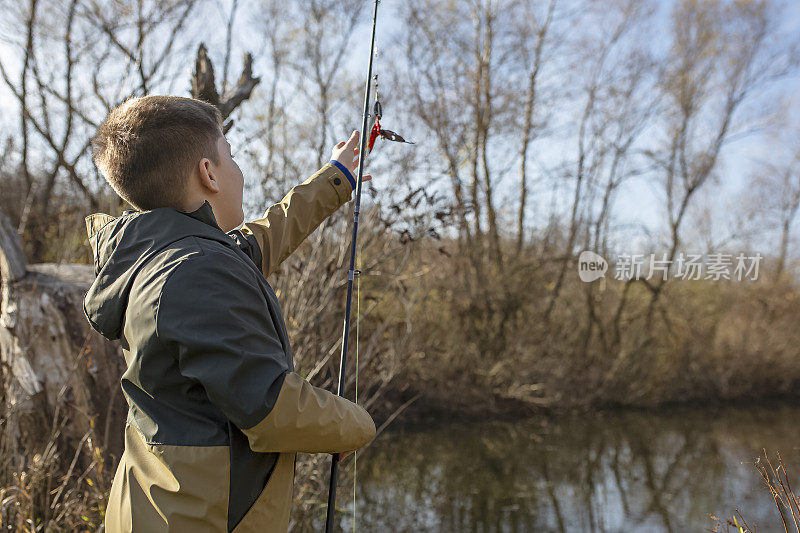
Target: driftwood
(56,369)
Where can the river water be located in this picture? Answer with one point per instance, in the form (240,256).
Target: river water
(611,471)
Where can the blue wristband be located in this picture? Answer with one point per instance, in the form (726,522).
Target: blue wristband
(346,172)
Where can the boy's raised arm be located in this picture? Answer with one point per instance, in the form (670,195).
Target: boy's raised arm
(285,225)
(214,315)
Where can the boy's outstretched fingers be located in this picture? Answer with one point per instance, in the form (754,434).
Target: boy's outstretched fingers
(366,177)
(340,151)
(353,140)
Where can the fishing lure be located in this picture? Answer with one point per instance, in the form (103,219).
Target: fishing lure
(377,131)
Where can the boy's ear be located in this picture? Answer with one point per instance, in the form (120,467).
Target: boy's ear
(207,177)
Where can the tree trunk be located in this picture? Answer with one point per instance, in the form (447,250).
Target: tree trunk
(55,368)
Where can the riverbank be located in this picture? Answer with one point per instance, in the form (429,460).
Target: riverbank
(501,344)
(422,411)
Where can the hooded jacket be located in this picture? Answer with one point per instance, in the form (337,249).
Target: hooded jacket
(216,411)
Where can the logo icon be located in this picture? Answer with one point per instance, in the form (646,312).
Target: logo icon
(591,266)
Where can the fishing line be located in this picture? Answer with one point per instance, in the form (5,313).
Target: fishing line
(358,320)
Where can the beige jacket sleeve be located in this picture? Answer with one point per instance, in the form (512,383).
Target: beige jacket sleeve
(308,419)
(285,225)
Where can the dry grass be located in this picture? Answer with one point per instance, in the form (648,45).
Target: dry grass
(708,340)
(52,484)
(776,480)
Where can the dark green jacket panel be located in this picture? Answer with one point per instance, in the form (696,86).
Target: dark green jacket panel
(165,406)
(213,310)
(249,245)
(125,245)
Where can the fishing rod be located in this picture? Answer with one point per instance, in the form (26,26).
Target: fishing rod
(351,273)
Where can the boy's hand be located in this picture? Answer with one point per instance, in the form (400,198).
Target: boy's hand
(346,153)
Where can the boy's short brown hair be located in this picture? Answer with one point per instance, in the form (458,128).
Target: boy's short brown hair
(146,147)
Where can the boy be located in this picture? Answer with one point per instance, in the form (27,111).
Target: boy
(216,413)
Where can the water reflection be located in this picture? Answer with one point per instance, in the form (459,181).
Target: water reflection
(605,472)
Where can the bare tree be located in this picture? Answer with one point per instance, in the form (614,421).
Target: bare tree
(323,30)
(777,189)
(602,91)
(79,59)
(721,55)
(533,61)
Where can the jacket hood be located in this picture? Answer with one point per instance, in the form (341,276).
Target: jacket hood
(123,245)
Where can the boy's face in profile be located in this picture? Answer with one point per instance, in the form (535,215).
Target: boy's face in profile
(227,200)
